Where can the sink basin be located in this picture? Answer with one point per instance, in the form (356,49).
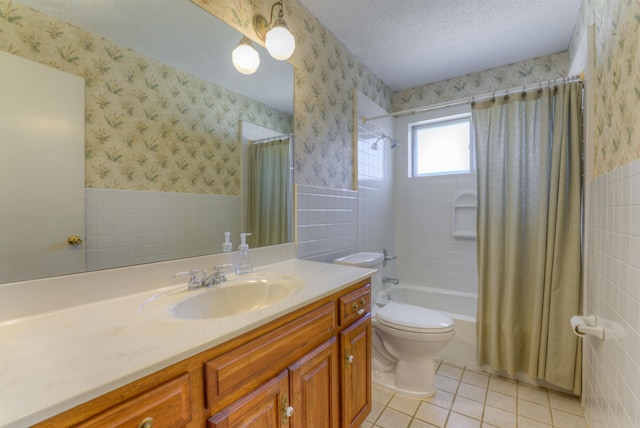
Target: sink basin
(236,296)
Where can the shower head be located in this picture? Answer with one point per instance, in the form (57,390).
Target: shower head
(383,137)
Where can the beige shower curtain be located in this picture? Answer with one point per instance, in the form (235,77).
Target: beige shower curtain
(270,193)
(529,233)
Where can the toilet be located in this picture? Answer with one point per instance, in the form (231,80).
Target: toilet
(405,338)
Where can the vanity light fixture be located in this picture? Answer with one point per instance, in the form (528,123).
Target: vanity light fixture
(245,57)
(278,39)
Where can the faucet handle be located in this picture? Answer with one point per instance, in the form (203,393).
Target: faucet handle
(387,257)
(194,282)
(218,268)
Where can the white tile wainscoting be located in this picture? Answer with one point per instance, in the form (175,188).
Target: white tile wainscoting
(125,227)
(612,368)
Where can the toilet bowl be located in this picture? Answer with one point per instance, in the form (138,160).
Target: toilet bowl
(413,335)
(405,337)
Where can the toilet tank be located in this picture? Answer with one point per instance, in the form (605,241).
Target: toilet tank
(369,260)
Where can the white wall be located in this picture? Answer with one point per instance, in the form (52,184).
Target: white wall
(336,222)
(428,254)
(376,213)
(411,218)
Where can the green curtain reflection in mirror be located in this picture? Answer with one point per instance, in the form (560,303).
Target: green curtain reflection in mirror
(270,192)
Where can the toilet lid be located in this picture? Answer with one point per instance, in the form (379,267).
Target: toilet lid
(404,316)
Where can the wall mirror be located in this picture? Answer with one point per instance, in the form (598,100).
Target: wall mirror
(167,119)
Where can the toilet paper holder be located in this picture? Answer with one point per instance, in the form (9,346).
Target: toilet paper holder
(588,324)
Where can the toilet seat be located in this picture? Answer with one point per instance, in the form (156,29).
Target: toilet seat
(410,318)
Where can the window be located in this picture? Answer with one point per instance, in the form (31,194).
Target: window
(442,146)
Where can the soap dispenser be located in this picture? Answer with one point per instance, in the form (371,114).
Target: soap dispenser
(227,245)
(243,262)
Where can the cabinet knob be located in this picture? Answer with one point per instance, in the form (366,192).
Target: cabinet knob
(349,359)
(146,423)
(288,412)
(360,310)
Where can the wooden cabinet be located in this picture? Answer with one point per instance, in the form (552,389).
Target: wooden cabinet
(356,372)
(317,400)
(303,396)
(242,369)
(307,369)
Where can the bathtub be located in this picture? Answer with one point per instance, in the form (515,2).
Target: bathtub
(459,306)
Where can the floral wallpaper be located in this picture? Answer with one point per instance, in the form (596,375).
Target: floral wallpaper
(325,78)
(617,64)
(549,67)
(148,125)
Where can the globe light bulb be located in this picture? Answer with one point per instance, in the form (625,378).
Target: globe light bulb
(245,57)
(280,42)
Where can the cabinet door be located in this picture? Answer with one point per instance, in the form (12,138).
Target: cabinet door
(315,389)
(263,408)
(355,354)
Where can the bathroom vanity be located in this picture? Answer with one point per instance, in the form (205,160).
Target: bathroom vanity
(303,362)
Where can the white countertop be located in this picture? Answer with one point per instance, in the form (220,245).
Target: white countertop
(54,361)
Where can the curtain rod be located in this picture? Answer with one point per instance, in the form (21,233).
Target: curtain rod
(524,88)
(269,139)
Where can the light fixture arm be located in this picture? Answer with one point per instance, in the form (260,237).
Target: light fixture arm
(260,24)
(280,12)
(278,40)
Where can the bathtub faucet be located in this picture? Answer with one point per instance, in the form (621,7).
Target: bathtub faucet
(387,280)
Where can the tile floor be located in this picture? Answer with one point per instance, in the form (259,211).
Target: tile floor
(468,399)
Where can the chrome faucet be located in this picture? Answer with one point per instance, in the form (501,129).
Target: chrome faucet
(387,280)
(216,278)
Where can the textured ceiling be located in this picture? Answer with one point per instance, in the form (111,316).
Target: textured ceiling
(409,43)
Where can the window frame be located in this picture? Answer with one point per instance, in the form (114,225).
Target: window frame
(443,118)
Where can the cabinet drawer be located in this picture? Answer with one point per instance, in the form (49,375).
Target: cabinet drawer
(355,305)
(232,374)
(169,406)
